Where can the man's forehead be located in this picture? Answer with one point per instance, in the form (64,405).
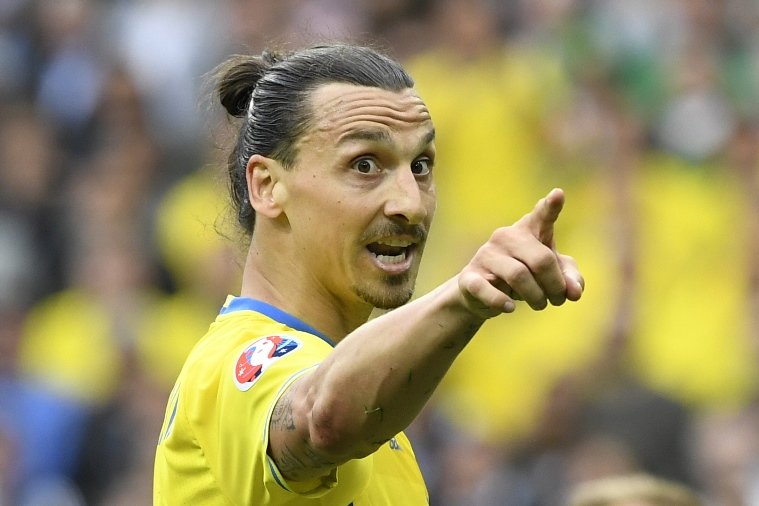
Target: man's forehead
(338,106)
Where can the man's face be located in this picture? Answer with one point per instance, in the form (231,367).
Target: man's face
(361,195)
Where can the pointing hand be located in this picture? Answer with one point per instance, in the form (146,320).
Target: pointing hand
(520,262)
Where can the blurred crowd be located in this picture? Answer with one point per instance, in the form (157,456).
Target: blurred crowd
(117,248)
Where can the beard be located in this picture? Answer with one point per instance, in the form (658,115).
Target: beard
(392,292)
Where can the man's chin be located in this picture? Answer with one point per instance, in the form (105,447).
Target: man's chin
(394,293)
(390,303)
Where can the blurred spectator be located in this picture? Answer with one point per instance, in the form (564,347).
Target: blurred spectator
(490,102)
(200,255)
(166,47)
(30,247)
(17,51)
(401,26)
(71,74)
(633,490)
(72,355)
(725,456)
(651,427)
(116,464)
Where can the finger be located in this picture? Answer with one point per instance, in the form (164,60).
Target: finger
(516,276)
(545,266)
(482,297)
(514,244)
(541,219)
(574,280)
(505,288)
(541,261)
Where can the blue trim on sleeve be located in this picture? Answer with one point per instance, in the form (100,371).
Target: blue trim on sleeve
(275,474)
(171,420)
(276,314)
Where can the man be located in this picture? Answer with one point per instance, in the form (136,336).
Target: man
(292,397)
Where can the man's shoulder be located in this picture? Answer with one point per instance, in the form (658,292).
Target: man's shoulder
(243,345)
(244,328)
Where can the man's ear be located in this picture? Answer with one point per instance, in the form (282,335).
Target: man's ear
(266,191)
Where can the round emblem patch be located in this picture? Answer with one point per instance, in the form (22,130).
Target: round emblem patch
(259,356)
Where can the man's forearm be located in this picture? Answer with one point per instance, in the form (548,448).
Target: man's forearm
(371,387)
(381,375)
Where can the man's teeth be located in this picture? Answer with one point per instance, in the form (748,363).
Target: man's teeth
(391,250)
(398,243)
(394,259)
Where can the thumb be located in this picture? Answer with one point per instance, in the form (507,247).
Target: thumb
(541,219)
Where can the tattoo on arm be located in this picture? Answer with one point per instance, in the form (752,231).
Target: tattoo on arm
(287,462)
(291,462)
(293,456)
(282,417)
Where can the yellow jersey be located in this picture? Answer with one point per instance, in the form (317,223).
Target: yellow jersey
(212,449)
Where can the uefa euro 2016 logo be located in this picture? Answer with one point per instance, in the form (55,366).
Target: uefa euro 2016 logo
(259,356)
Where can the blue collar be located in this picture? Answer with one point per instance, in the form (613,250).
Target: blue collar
(276,314)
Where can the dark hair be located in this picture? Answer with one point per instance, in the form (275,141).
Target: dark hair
(271,93)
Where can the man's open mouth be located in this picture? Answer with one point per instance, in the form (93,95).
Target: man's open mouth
(391,251)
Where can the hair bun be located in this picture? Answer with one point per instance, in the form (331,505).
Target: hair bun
(237,78)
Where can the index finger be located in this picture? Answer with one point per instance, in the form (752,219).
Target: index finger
(542,217)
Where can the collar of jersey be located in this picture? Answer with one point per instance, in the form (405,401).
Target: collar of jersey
(247,304)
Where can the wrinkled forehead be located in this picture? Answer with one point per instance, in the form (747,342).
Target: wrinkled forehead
(338,108)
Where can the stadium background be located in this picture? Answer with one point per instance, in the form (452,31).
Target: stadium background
(116,249)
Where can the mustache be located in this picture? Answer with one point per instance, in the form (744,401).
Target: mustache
(391,229)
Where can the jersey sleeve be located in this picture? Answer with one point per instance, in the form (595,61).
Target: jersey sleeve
(253,378)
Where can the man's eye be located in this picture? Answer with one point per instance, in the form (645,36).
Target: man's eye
(421,167)
(366,166)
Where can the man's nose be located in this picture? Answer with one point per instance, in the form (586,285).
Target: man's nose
(406,198)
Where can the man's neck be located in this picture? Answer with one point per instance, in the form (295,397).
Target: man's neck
(267,279)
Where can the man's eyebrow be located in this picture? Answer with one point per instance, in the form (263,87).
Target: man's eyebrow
(379,135)
(429,137)
(366,134)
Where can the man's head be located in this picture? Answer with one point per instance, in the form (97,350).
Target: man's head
(272,91)
(336,153)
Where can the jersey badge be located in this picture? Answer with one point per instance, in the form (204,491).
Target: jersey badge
(259,356)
